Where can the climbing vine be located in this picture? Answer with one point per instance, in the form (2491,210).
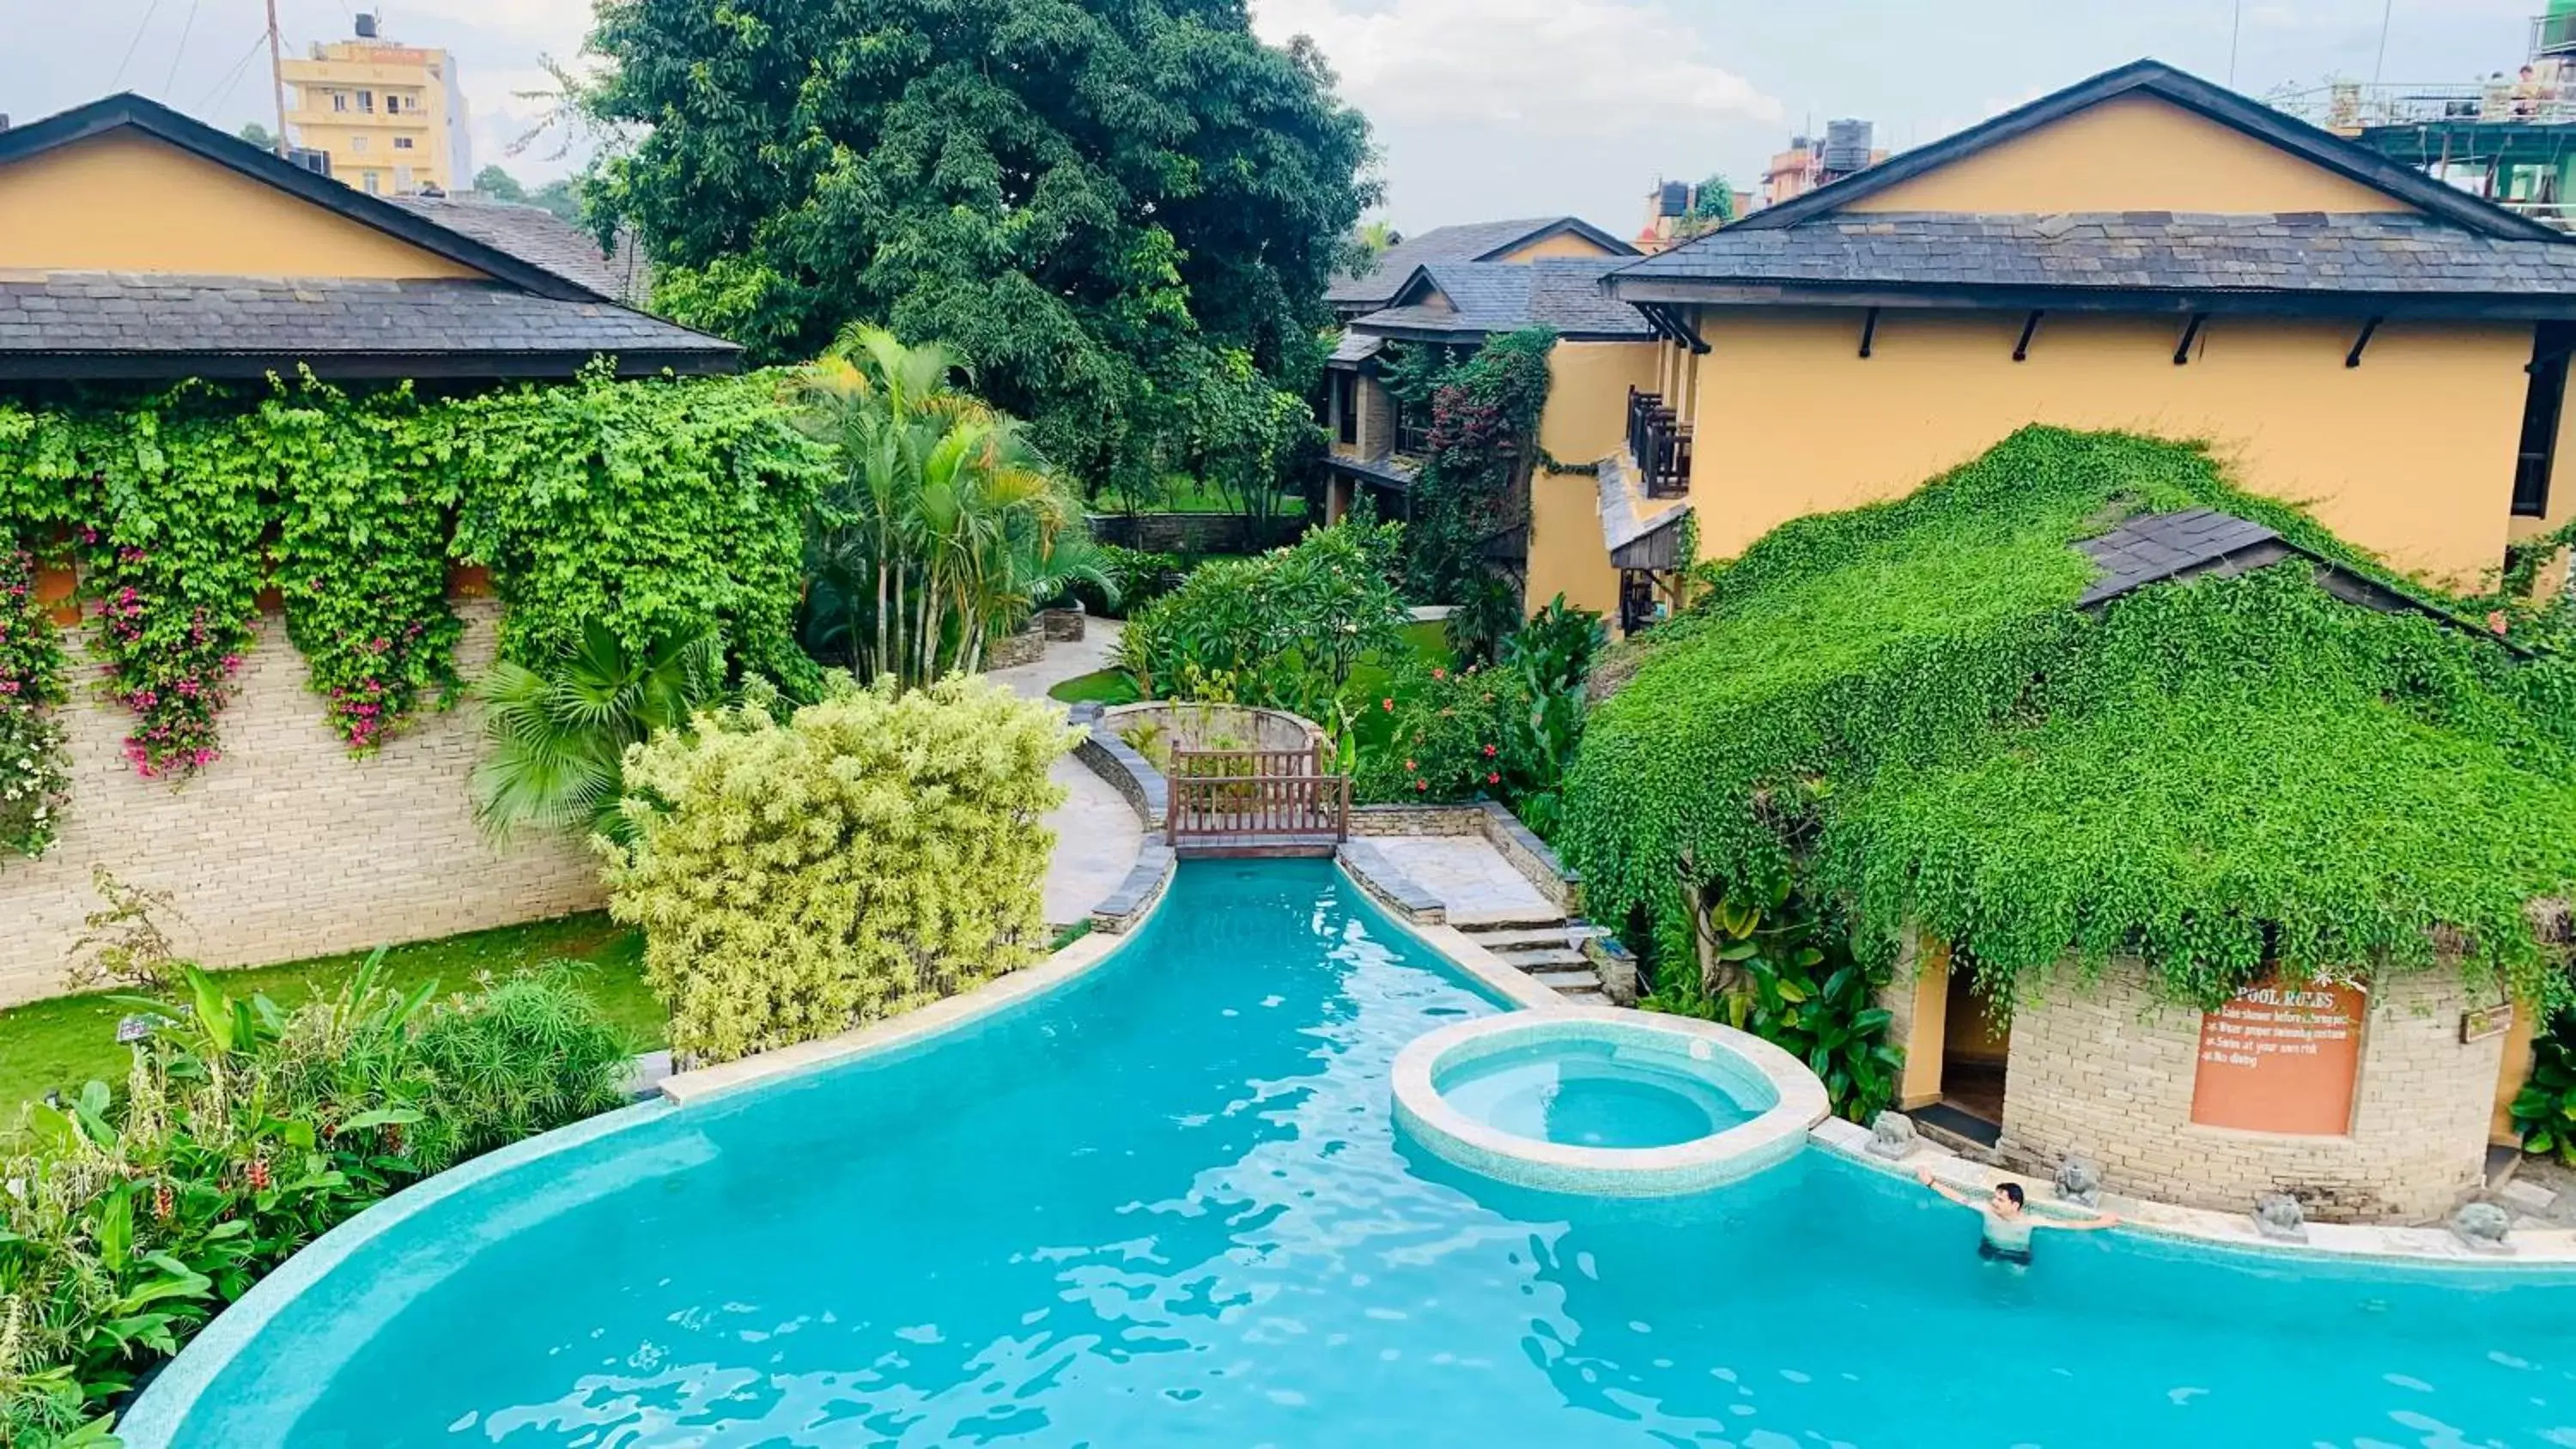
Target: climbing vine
(170,563)
(33,784)
(1900,708)
(650,505)
(361,551)
(1471,490)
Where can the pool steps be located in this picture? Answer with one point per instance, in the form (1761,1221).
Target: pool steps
(1546,948)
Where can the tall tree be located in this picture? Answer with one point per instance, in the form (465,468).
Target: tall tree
(500,185)
(1090,200)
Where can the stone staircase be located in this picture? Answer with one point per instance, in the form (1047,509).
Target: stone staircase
(1541,944)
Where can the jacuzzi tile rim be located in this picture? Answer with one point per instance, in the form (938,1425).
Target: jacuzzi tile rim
(1773,1136)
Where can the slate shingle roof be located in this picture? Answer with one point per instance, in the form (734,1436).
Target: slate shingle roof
(2163,546)
(2296,252)
(1490,297)
(541,239)
(100,324)
(1471,242)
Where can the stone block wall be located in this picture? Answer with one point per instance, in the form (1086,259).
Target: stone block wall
(1194,533)
(286,847)
(2105,1070)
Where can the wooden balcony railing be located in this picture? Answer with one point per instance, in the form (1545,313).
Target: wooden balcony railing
(1660,443)
(1412,439)
(1257,795)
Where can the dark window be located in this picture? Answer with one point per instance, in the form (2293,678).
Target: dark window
(2540,410)
(1346,406)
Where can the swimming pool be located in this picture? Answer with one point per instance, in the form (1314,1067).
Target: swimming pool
(1165,1205)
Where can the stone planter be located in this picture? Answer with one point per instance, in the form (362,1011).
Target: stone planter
(1062,626)
(1013,650)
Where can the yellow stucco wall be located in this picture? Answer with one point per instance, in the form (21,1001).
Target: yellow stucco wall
(1586,420)
(2133,153)
(1814,427)
(126,202)
(1563,244)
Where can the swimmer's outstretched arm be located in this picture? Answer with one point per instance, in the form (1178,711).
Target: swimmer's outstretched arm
(1924,1176)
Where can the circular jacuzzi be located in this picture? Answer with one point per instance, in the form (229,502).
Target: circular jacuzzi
(1605,1101)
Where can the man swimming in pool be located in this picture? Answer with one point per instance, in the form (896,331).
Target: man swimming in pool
(2008,1222)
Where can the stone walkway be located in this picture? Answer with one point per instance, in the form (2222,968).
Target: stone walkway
(1469,876)
(1097,834)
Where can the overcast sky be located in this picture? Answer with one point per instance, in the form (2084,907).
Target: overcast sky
(1484,108)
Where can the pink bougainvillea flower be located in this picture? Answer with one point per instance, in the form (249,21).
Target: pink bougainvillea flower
(1493,778)
(1489,752)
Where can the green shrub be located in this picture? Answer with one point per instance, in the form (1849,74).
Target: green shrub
(875,852)
(242,1132)
(1282,629)
(1135,578)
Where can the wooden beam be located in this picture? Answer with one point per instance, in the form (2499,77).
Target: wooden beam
(1868,331)
(2359,344)
(2029,325)
(2190,335)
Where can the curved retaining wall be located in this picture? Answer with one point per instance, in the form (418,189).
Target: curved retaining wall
(1181,725)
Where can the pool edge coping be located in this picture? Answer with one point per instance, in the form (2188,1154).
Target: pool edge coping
(157,1414)
(2531,1250)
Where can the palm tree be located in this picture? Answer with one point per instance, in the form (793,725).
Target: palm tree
(559,736)
(945,518)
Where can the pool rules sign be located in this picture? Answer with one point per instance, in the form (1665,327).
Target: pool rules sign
(2281,1058)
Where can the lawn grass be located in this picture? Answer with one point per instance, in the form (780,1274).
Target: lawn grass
(63,1042)
(1188,495)
(1370,679)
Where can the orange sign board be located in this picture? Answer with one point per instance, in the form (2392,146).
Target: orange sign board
(2281,1058)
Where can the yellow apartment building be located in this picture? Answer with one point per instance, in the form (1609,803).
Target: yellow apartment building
(391,117)
(2142,251)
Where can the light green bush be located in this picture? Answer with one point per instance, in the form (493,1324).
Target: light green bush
(876,852)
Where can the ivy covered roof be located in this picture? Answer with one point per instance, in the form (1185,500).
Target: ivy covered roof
(1905,704)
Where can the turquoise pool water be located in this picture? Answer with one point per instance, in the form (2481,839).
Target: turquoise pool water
(1591,1094)
(1166,1207)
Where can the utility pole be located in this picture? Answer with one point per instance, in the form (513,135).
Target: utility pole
(277,79)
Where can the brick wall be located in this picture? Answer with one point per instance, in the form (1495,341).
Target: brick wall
(2105,1070)
(286,847)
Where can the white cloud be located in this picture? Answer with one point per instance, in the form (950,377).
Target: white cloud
(1580,66)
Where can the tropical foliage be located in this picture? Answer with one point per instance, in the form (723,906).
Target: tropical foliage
(1506,731)
(1763,964)
(942,527)
(2544,1112)
(1282,630)
(1901,709)
(876,851)
(656,509)
(557,737)
(242,1132)
(1100,205)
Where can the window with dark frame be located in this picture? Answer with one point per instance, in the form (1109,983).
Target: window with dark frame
(1346,407)
(2542,405)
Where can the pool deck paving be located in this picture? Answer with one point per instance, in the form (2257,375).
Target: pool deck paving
(1471,877)
(1097,834)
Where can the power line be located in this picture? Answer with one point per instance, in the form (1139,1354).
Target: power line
(140,26)
(181,53)
(2387,13)
(224,88)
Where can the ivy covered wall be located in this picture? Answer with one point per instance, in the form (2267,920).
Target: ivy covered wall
(293,545)
(653,506)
